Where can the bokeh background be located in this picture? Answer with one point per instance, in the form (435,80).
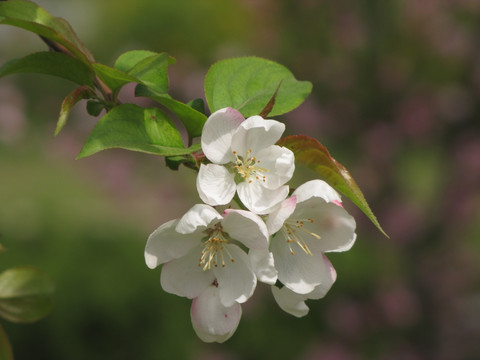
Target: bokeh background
(395,99)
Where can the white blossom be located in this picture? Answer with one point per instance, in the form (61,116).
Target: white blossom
(244,160)
(201,249)
(306,225)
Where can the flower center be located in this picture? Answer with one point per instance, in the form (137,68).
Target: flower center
(293,230)
(214,247)
(248,167)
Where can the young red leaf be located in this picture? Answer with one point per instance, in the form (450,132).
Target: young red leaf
(82,92)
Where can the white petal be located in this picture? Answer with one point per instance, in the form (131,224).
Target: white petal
(217,135)
(281,213)
(212,321)
(300,272)
(255,134)
(280,163)
(331,222)
(316,188)
(259,199)
(290,302)
(246,227)
(263,266)
(165,244)
(197,218)
(215,184)
(236,280)
(184,277)
(330,276)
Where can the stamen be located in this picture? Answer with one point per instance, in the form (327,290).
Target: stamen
(214,245)
(292,229)
(247,167)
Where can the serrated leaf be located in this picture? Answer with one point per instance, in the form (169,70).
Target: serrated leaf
(5,347)
(248,83)
(51,63)
(192,119)
(316,156)
(25,294)
(132,127)
(82,92)
(29,16)
(112,77)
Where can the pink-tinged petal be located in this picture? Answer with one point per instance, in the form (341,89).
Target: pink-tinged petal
(280,165)
(184,277)
(215,184)
(331,222)
(236,280)
(255,134)
(281,213)
(165,244)
(330,275)
(197,218)
(259,199)
(246,227)
(316,188)
(212,321)
(217,135)
(263,266)
(300,272)
(290,302)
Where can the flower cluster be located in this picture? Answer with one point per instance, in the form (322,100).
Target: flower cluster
(216,258)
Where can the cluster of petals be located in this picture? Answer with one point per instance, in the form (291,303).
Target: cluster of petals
(244,160)
(305,226)
(216,259)
(202,260)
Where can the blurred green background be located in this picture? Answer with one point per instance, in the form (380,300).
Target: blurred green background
(395,99)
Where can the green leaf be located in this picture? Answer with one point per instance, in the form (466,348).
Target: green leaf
(2,248)
(29,16)
(51,63)
(5,347)
(151,70)
(25,294)
(112,77)
(82,92)
(316,156)
(128,60)
(192,119)
(248,83)
(134,128)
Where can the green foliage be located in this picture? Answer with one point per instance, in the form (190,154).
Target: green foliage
(316,156)
(29,16)
(112,77)
(51,63)
(25,294)
(150,70)
(248,83)
(192,119)
(135,128)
